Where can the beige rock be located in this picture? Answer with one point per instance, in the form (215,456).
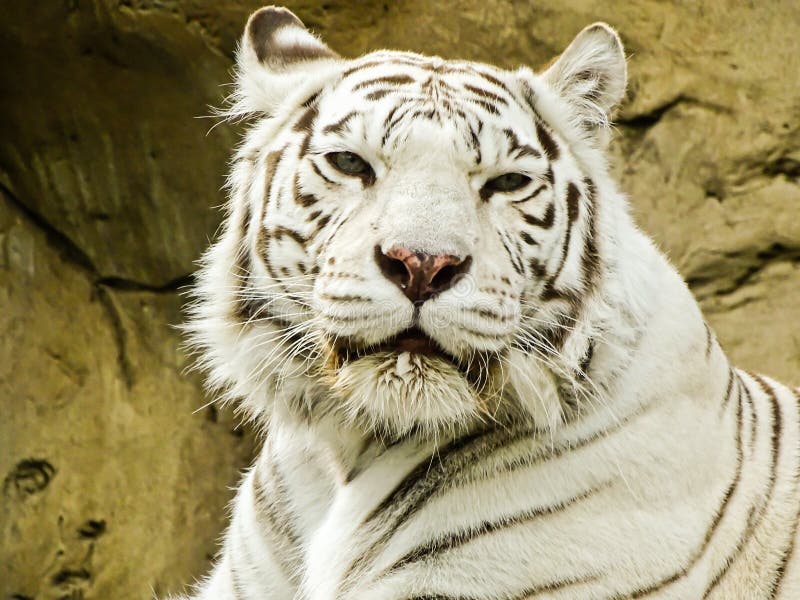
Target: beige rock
(111,484)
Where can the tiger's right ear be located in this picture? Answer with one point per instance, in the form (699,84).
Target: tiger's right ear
(279,60)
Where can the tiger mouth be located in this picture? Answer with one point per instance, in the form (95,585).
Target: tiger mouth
(412,340)
(476,370)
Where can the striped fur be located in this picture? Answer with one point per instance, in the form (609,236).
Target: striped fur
(582,435)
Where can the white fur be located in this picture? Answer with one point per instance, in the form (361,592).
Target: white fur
(642,460)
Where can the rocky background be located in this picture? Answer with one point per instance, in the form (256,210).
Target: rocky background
(115,473)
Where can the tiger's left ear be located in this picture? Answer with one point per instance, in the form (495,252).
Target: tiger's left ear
(279,60)
(591,75)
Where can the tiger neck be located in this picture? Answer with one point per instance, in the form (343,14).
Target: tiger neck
(640,333)
(647,336)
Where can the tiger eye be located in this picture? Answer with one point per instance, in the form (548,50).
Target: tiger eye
(508,182)
(349,163)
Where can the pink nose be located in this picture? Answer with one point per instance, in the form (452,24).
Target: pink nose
(421,276)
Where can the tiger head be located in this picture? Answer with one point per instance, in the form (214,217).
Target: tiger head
(412,244)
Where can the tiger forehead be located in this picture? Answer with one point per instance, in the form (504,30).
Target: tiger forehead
(401,90)
(426,77)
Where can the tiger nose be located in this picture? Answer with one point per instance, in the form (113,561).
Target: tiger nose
(419,275)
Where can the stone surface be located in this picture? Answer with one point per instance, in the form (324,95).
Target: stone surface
(112,487)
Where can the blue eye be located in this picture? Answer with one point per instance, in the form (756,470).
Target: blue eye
(350,164)
(509,182)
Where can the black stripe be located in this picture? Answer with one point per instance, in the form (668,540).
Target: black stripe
(320,225)
(476,145)
(243,267)
(406,103)
(393,61)
(262,249)
(710,530)
(754,523)
(430,114)
(586,361)
(525,594)
(271,506)
(493,80)
(529,99)
(525,462)
(563,326)
(320,174)
(485,93)
(387,130)
(487,313)
(546,222)
(531,196)
(788,553)
(537,268)
(518,148)
(777,422)
(450,68)
(730,559)
(546,140)
(306,120)
(728,390)
(590,261)
(421,483)
(279,232)
(345,298)
(305,200)
(487,106)
(423,474)
(378,94)
(244,224)
(339,125)
(754,421)
(303,148)
(442,87)
(516,261)
(573,196)
(272,162)
(399,79)
(456,539)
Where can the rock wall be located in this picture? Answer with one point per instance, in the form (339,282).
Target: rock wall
(115,473)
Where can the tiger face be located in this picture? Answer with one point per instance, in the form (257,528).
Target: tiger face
(411,242)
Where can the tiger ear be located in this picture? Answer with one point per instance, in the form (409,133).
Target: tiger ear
(591,75)
(279,39)
(279,59)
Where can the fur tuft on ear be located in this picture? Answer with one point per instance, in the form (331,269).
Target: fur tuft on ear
(591,75)
(279,61)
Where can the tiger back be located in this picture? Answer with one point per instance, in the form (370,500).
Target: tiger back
(476,377)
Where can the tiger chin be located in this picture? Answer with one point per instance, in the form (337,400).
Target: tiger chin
(477,378)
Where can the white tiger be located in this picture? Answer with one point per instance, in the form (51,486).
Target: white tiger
(477,378)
